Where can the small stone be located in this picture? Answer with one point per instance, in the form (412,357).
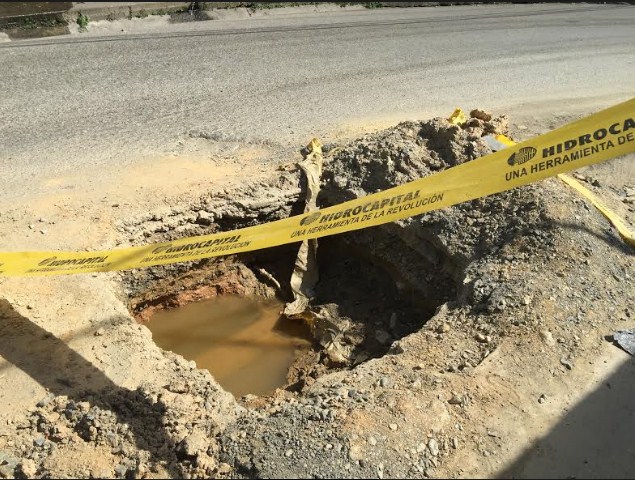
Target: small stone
(204,218)
(455,443)
(7,471)
(547,337)
(194,443)
(31,226)
(456,399)
(443,328)
(38,442)
(205,462)
(43,232)
(383,337)
(355,453)
(480,337)
(433,446)
(393,426)
(393,321)
(28,468)
(567,363)
(522,127)
(372,441)
(121,470)
(100,331)
(288,453)
(385,382)
(45,401)
(526,300)
(542,398)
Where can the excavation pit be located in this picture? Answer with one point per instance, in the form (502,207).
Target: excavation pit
(377,285)
(225,314)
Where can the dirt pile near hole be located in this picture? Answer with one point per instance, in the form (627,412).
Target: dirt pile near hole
(498,303)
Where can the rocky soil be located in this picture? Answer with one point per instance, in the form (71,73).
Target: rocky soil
(463,327)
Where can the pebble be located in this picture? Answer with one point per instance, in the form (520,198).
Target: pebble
(547,337)
(393,426)
(443,328)
(45,401)
(100,331)
(483,338)
(28,467)
(121,470)
(433,446)
(383,337)
(566,363)
(193,444)
(385,382)
(204,218)
(372,441)
(288,453)
(456,399)
(542,398)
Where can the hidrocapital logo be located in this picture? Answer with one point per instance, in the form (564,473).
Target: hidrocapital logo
(521,156)
(309,219)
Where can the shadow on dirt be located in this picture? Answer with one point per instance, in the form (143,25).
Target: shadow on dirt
(594,440)
(62,371)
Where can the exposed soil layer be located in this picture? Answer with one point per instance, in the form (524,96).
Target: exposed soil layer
(462,323)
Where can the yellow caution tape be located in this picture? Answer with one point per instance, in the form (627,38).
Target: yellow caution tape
(619,224)
(599,137)
(458,117)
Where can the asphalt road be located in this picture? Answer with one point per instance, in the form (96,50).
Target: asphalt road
(96,101)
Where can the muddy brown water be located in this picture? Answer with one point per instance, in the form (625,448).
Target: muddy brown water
(243,342)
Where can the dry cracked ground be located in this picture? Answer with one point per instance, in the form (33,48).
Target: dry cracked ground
(477,338)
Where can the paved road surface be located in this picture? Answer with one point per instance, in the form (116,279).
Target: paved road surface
(96,101)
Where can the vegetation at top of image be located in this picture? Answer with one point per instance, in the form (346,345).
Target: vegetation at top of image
(269,5)
(28,23)
(82,21)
